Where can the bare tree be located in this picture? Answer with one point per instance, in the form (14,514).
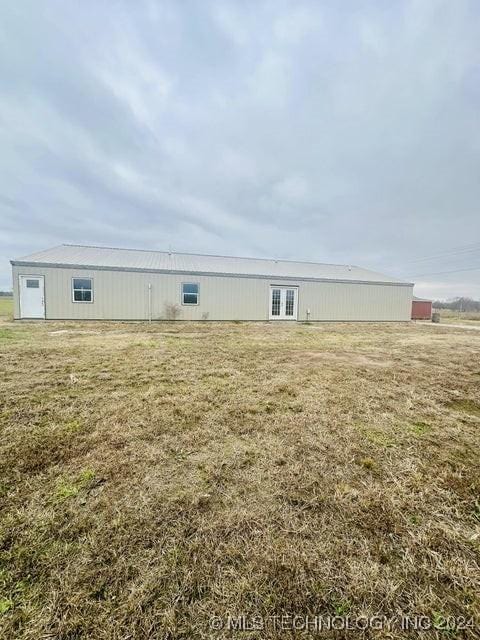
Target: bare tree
(458,304)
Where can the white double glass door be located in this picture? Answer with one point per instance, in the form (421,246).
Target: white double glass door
(283,303)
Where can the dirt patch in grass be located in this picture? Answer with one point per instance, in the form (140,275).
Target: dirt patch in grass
(58,332)
(152,476)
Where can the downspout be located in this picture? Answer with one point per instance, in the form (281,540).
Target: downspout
(149,302)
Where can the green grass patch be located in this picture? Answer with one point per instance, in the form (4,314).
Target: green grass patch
(341,607)
(420,428)
(70,488)
(65,490)
(13,333)
(476,510)
(72,426)
(5,605)
(377,436)
(444,624)
(4,489)
(8,334)
(6,307)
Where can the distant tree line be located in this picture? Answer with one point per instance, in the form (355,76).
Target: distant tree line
(4,294)
(458,304)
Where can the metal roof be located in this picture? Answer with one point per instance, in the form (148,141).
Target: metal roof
(67,255)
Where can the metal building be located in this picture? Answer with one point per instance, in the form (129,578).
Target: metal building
(71,282)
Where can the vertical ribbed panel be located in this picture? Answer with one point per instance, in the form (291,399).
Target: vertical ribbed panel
(123,295)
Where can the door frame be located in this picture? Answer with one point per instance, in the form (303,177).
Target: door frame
(33,276)
(293,318)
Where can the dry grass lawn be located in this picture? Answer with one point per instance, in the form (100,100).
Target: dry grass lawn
(155,476)
(458,317)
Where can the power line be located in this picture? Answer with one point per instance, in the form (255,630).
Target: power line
(472,248)
(437,273)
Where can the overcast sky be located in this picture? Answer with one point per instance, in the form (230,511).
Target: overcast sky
(330,131)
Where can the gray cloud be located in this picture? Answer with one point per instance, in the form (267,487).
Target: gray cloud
(319,131)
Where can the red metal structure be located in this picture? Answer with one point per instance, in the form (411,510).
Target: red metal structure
(421,309)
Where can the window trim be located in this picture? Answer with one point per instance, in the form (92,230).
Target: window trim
(190,304)
(91,289)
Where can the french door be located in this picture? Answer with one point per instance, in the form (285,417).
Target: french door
(283,303)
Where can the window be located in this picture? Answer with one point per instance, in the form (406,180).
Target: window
(289,302)
(190,293)
(276,302)
(33,284)
(82,289)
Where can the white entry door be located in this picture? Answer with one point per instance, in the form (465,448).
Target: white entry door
(32,299)
(283,303)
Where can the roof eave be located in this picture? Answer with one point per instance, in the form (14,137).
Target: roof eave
(24,263)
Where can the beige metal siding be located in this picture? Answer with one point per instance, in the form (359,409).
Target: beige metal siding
(123,295)
(345,301)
